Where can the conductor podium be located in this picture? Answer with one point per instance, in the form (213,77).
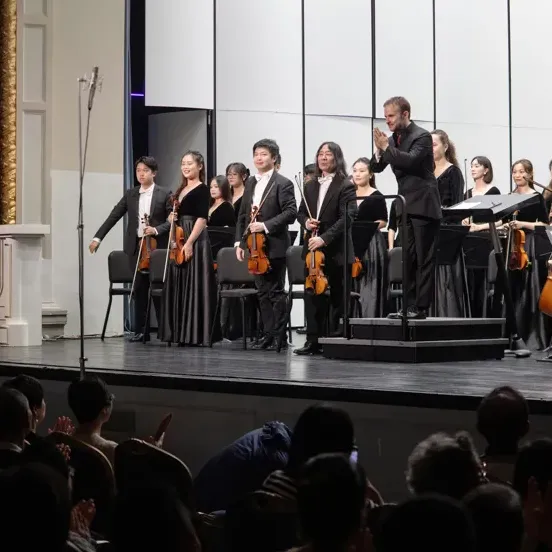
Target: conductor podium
(444,339)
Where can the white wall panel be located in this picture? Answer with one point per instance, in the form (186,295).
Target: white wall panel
(491,141)
(237,131)
(534,144)
(404,54)
(180,53)
(353,134)
(531,63)
(170,136)
(259,55)
(338,50)
(471,48)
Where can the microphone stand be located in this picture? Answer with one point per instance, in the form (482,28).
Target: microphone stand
(83,83)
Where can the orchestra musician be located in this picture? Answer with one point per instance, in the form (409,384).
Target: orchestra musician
(410,153)
(274,197)
(329,197)
(146,199)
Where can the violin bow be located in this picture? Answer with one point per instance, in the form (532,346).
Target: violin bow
(171,229)
(137,260)
(255,210)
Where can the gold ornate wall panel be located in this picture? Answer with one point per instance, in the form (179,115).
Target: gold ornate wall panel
(8,110)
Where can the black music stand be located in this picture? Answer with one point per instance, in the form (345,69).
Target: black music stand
(492,209)
(449,249)
(477,248)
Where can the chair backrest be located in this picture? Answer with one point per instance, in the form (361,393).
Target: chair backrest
(395,265)
(137,461)
(295,265)
(94,477)
(230,270)
(492,269)
(157,265)
(119,268)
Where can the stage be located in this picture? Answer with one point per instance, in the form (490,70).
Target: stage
(226,368)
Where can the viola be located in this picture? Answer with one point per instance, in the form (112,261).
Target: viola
(545,300)
(177,239)
(517,258)
(316,282)
(147,245)
(357,268)
(257,262)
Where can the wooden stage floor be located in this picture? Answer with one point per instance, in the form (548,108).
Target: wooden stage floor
(228,369)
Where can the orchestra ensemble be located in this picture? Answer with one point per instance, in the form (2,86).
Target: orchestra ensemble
(260,208)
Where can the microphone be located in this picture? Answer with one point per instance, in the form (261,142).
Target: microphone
(93,86)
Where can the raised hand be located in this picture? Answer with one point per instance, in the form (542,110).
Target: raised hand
(82,516)
(63,425)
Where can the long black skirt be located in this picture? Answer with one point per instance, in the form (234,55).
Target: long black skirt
(372,284)
(449,291)
(189,295)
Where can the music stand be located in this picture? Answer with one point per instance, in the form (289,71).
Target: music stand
(491,209)
(477,248)
(449,249)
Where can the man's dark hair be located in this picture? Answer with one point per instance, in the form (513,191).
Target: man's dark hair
(87,398)
(445,465)
(497,515)
(148,161)
(503,419)
(402,103)
(268,144)
(14,414)
(331,500)
(340,167)
(30,387)
(534,460)
(278,159)
(431,523)
(321,428)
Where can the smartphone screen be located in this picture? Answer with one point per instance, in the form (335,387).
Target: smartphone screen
(354,455)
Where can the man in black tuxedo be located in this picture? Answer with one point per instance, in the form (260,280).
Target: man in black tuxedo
(410,153)
(146,199)
(328,198)
(273,194)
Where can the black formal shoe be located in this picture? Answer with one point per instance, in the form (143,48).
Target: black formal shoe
(264,343)
(309,348)
(396,315)
(274,345)
(414,313)
(138,337)
(301,331)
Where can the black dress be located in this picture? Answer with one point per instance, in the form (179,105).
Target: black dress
(236,205)
(371,284)
(189,294)
(223,215)
(526,285)
(476,268)
(451,186)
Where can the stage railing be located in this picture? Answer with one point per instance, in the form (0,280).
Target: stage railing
(346,275)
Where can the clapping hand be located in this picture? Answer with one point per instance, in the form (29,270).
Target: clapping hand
(82,516)
(63,425)
(65,450)
(381,141)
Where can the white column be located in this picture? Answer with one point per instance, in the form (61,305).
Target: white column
(20,283)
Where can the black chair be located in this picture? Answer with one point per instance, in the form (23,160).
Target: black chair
(156,277)
(490,282)
(394,290)
(120,272)
(230,271)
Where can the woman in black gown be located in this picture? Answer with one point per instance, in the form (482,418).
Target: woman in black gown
(449,278)
(372,282)
(237,174)
(189,294)
(477,245)
(526,285)
(221,212)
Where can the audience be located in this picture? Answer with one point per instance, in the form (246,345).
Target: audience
(15,423)
(33,391)
(534,461)
(91,403)
(445,465)
(503,420)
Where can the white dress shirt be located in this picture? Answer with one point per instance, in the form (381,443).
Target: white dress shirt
(324,182)
(144,207)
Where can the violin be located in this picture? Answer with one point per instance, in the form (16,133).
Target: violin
(257,262)
(316,282)
(147,245)
(545,300)
(177,239)
(357,268)
(517,257)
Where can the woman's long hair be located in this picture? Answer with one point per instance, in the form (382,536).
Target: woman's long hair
(340,167)
(223,186)
(366,161)
(528,166)
(198,158)
(450,148)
